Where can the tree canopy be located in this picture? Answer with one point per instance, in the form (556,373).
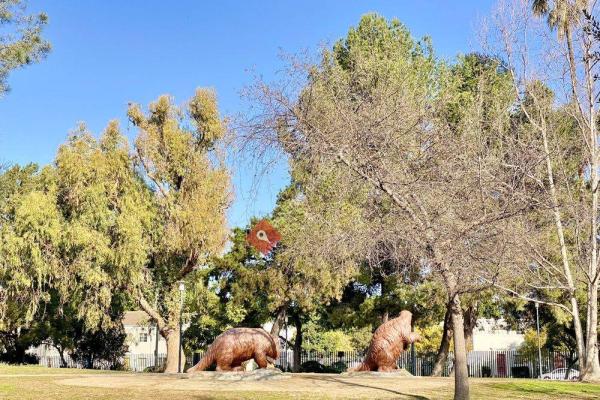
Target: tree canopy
(21,41)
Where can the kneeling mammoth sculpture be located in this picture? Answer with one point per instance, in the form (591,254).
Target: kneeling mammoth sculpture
(387,343)
(231,348)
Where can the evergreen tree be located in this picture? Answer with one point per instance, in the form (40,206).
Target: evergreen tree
(21,42)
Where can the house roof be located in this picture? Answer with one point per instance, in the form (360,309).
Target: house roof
(135,318)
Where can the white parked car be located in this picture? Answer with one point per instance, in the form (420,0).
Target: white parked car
(560,373)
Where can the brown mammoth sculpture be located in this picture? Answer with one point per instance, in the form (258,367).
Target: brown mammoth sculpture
(231,348)
(387,343)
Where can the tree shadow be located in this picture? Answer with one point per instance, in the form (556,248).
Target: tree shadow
(355,384)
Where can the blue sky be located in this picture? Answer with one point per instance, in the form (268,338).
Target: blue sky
(107,53)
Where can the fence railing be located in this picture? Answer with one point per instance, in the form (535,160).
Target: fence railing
(481,364)
(129,362)
(55,362)
(495,364)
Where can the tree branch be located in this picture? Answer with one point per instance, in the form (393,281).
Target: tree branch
(530,299)
(148,309)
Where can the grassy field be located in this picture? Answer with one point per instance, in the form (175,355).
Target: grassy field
(69,384)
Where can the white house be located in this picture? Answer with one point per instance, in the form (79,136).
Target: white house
(142,337)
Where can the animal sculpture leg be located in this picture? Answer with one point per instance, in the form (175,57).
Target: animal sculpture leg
(261,360)
(237,367)
(224,365)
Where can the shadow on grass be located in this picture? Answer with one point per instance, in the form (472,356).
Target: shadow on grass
(344,382)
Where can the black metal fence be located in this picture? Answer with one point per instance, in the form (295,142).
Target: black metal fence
(495,364)
(147,362)
(481,364)
(55,362)
(130,362)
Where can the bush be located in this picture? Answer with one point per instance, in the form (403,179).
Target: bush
(521,372)
(338,367)
(100,346)
(486,371)
(312,366)
(155,369)
(26,358)
(315,366)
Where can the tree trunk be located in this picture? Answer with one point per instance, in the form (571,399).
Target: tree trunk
(591,370)
(61,353)
(470,320)
(278,322)
(20,349)
(169,331)
(442,354)
(385,316)
(570,362)
(461,372)
(157,338)
(297,343)
(172,338)
(562,242)
(579,339)
(385,313)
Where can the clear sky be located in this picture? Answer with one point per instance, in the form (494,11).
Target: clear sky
(107,53)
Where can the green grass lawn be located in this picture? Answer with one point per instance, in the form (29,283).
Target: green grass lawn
(549,388)
(36,382)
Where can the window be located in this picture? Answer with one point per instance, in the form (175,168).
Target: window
(143,337)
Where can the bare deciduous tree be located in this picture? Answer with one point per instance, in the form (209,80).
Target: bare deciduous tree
(377,116)
(555,80)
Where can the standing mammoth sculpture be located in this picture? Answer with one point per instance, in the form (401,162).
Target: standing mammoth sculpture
(387,343)
(231,348)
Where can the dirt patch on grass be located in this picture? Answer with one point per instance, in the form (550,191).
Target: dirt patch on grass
(303,385)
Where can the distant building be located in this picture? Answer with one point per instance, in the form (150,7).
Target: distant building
(141,337)
(141,334)
(494,334)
